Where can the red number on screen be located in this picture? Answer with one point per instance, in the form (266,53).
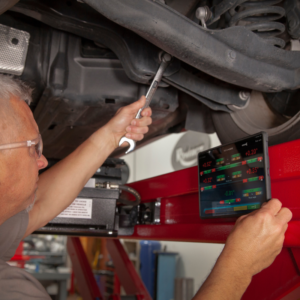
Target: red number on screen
(208,180)
(252,170)
(207,164)
(251,152)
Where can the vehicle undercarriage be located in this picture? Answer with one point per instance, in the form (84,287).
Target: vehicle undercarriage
(234,71)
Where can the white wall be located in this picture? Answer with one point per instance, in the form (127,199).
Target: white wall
(155,158)
(196,259)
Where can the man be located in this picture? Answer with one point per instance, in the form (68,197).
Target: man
(252,246)
(55,189)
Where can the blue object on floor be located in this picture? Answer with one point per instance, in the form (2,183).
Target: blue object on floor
(147,264)
(166,272)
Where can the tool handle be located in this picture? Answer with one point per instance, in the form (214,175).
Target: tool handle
(149,96)
(166,58)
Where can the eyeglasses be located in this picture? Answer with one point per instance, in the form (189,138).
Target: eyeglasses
(37,143)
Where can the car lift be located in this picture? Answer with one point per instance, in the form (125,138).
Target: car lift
(179,220)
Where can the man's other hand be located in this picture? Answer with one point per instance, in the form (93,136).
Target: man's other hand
(124,122)
(257,238)
(252,246)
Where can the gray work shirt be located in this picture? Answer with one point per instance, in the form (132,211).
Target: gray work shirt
(16,283)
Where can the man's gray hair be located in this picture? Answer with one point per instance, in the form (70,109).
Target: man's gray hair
(10,86)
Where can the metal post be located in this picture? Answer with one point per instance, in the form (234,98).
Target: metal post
(85,279)
(117,285)
(127,274)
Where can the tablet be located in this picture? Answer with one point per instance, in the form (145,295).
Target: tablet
(234,179)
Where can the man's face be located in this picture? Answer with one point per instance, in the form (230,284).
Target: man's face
(20,166)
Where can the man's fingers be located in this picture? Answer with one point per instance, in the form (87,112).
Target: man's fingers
(145,121)
(284,215)
(274,206)
(147,112)
(134,129)
(135,136)
(135,106)
(241,218)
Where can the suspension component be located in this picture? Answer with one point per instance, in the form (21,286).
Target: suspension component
(259,16)
(203,14)
(292,10)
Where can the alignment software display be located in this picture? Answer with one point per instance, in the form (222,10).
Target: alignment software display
(234,179)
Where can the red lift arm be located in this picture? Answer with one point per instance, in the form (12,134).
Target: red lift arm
(178,192)
(180,221)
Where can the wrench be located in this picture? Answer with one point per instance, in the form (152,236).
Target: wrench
(165,60)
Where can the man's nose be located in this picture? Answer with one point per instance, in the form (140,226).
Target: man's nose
(42,162)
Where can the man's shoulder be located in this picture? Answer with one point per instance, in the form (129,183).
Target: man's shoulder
(11,234)
(16,283)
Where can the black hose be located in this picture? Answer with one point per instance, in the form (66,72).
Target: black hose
(132,192)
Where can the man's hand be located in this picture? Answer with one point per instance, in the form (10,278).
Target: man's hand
(257,238)
(124,122)
(253,244)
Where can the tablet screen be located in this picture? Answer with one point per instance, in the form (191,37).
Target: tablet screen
(232,178)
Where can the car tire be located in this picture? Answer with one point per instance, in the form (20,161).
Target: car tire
(258,116)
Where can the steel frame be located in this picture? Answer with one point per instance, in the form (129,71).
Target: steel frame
(125,270)
(85,279)
(180,221)
(178,192)
(127,274)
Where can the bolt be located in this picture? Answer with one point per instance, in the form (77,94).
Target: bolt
(157,203)
(232,54)
(203,13)
(157,220)
(166,57)
(244,95)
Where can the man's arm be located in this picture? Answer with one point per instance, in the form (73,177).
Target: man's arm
(60,185)
(252,246)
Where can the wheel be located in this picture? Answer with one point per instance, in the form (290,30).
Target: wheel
(258,116)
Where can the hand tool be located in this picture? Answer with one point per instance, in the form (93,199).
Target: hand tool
(165,60)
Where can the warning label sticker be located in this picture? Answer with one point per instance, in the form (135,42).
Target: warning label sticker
(81,208)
